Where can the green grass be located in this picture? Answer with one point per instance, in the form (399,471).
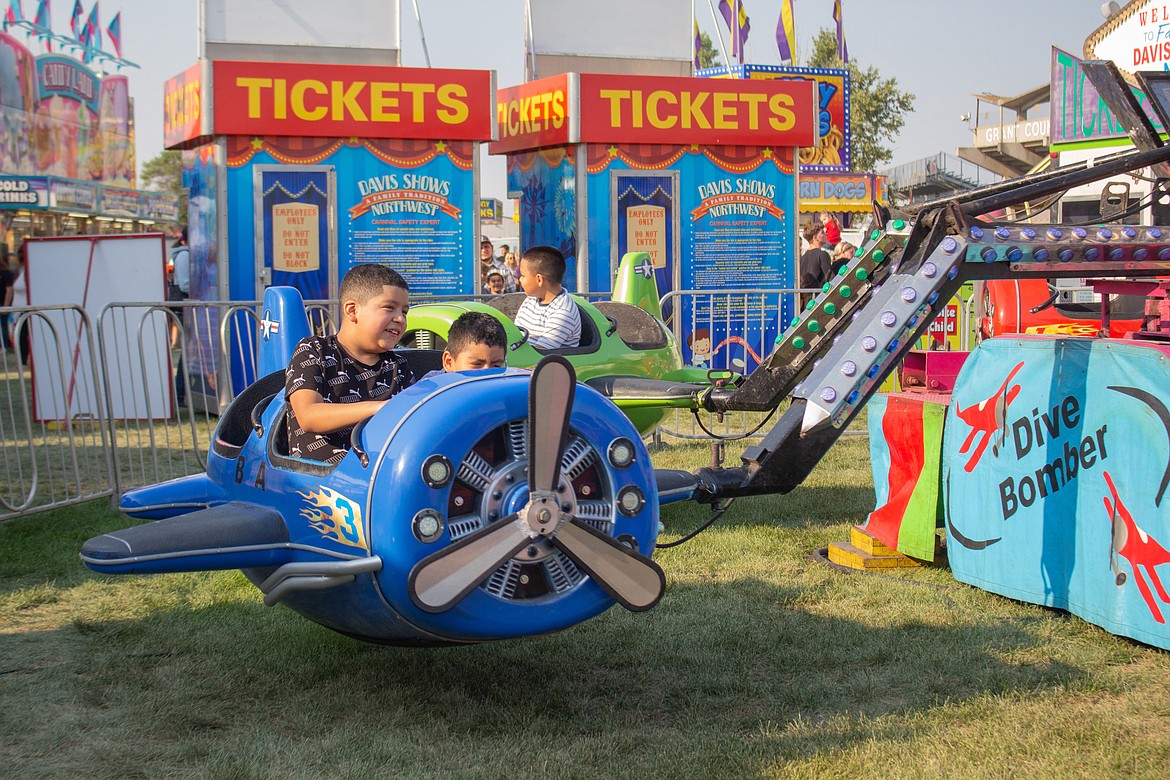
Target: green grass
(759,662)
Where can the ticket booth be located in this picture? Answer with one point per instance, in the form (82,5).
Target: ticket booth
(698,173)
(298,171)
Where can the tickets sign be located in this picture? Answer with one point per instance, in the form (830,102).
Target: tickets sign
(183,100)
(343,101)
(616,109)
(533,115)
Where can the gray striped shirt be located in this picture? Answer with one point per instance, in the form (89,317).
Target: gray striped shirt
(551,325)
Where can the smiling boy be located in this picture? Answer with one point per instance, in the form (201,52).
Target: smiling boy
(334,382)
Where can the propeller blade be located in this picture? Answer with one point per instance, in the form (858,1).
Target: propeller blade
(632,579)
(439,581)
(550,399)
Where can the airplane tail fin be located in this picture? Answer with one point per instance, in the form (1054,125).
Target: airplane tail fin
(174,497)
(282,325)
(635,283)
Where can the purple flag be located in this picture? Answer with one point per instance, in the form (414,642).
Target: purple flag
(786,33)
(739,29)
(698,43)
(842,49)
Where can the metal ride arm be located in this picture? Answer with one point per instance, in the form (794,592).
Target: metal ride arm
(837,352)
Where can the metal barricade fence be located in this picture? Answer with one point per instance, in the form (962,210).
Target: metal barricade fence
(180,400)
(51,432)
(750,317)
(104,413)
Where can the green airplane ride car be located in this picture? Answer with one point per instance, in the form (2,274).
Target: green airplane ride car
(626,351)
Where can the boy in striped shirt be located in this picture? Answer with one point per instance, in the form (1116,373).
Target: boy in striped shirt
(549,315)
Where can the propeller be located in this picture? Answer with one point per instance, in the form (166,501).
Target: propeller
(440,581)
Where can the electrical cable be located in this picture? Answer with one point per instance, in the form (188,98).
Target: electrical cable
(718,513)
(736,437)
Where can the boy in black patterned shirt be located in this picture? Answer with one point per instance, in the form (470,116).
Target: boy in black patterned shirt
(334,382)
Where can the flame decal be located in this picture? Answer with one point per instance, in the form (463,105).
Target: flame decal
(336,517)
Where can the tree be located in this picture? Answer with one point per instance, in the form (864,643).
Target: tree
(708,56)
(164,173)
(878,110)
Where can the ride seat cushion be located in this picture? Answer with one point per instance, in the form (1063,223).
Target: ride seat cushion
(235,424)
(635,326)
(508,304)
(422,361)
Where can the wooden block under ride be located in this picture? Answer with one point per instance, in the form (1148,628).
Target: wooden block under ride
(845,554)
(863,540)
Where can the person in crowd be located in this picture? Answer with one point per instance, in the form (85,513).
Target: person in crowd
(488,262)
(841,257)
(815,263)
(486,258)
(7,280)
(179,289)
(495,283)
(334,382)
(513,264)
(832,229)
(504,249)
(181,261)
(20,298)
(550,316)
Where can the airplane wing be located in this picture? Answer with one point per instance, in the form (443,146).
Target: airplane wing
(235,535)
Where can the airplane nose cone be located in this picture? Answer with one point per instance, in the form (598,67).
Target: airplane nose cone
(515,500)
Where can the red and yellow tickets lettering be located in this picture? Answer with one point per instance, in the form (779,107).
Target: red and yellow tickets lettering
(183,107)
(615,109)
(295,99)
(533,115)
(596,108)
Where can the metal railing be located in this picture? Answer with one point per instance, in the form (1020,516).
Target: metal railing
(53,456)
(742,325)
(939,168)
(748,321)
(104,412)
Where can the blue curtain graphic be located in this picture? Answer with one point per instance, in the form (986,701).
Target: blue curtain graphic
(649,191)
(301,187)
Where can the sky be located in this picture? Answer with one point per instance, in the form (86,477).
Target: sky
(941,51)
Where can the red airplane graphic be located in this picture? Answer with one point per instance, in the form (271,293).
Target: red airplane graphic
(988,418)
(1137,547)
